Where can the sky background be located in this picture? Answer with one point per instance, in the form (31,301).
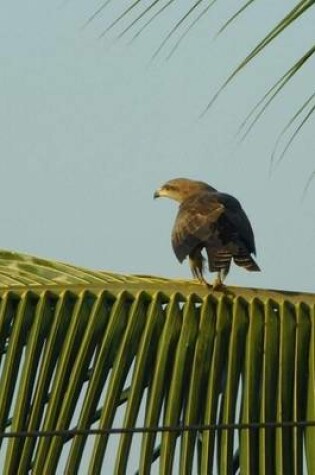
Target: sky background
(91,127)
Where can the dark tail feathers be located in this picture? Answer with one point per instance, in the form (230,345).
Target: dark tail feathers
(246,261)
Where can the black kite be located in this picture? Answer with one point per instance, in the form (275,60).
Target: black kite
(210,220)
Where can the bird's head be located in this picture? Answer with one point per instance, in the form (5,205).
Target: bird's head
(180,189)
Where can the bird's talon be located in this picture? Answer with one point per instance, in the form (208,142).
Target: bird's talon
(218,286)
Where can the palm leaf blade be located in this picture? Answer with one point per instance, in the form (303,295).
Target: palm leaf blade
(234,363)
(199,374)
(175,397)
(249,453)
(160,383)
(147,352)
(310,411)
(215,383)
(80,348)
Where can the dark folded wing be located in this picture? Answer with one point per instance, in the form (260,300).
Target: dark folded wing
(194,223)
(235,214)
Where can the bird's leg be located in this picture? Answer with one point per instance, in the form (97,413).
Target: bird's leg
(196,267)
(202,280)
(224,272)
(218,281)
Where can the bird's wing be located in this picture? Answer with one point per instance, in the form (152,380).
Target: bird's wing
(235,214)
(194,223)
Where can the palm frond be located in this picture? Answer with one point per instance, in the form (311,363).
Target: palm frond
(96,13)
(235,16)
(120,17)
(287,127)
(269,96)
(180,22)
(149,21)
(139,17)
(189,28)
(308,184)
(300,9)
(295,133)
(82,349)
(293,15)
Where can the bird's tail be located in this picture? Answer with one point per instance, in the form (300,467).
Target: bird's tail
(245,260)
(219,260)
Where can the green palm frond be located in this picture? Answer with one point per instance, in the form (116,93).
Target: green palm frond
(308,183)
(294,14)
(96,13)
(181,22)
(300,9)
(147,22)
(269,96)
(297,130)
(189,19)
(140,16)
(235,16)
(188,29)
(297,115)
(82,350)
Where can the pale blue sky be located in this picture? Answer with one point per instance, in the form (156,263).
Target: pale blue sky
(91,127)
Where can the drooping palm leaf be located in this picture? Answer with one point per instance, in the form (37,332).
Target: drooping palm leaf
(295,13)
(138,18)
(269,96)
(235,16)
(300,9)
(296,131)
(96,13)
(189,28)
(179,23)
(288,125)
(147,22)
(87,349)
(308,183)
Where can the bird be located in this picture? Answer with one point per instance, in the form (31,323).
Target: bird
(210,221)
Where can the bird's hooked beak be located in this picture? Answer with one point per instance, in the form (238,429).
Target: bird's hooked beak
(157,193)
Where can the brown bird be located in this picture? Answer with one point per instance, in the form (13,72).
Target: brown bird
(210,220)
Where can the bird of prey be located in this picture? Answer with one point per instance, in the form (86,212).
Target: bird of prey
(211,220)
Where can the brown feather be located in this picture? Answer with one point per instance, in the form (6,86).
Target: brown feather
(210,220)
